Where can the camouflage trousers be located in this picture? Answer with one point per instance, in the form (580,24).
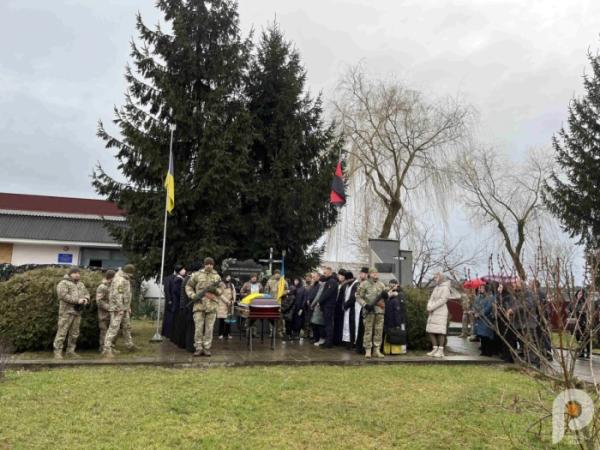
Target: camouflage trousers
(68,324)
(118,320)
(204,322)
(103,324)
(373,330)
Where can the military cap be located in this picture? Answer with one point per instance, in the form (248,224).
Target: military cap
(129,268)
(373,270)
(73,270)
(110,274)
(209,260)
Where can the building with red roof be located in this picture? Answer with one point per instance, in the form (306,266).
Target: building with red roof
(39,229)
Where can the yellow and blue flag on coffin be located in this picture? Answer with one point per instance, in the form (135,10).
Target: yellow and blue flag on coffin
(170,185)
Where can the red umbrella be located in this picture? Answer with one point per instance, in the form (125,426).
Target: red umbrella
(474,283)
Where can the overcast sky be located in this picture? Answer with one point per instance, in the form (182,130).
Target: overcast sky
(61,67)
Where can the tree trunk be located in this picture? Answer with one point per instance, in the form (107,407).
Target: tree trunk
(392,212)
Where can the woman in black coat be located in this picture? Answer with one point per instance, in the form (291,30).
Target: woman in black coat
(299,314)
(394,320)
(288,307)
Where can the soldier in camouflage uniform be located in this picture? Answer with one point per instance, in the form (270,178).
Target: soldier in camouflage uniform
(271,288)
(119,305)
(72,295)
(273,283)
(203,289)
(103,305)
(373,309)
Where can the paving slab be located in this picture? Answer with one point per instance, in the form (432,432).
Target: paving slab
(235,353)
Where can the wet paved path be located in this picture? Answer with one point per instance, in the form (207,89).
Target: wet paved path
(235,353)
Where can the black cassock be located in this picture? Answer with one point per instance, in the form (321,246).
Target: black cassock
(338,315)
(395,316)
(183,333)
(167,324)
(178,328)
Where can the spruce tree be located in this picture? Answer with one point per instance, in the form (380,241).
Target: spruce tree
(192,77)
(292,157)
(573,194)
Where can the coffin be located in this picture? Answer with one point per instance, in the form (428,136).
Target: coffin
(260,308)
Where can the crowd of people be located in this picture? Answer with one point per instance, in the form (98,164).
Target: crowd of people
(330,309)
(513,319)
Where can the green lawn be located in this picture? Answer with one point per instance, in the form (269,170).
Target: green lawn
(417,407)
(142,331)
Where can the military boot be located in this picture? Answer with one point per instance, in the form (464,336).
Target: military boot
(132,348)
(108,353)
(368,353)
(58,354)
(378,353)
(72,354)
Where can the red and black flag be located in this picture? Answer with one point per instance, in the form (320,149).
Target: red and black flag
(337,196)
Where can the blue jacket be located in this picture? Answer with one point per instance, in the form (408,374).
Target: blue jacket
(483,307)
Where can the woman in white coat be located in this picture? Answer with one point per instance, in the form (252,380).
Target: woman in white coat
(437,321)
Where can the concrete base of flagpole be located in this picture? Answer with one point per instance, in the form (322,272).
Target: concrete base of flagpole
(156,338)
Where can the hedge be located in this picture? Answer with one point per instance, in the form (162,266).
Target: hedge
(416,318)
(29,309)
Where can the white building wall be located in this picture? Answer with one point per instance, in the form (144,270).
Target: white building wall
(42,254)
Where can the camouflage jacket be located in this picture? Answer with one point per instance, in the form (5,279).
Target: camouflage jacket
(69,293)
(102,300)
(368,292)
(273,286)
(119,293)
(199,281)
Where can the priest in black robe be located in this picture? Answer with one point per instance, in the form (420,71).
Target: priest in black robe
(338,317)
(177,335)
(168,315)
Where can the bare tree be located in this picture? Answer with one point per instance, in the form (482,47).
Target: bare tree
(548,341)
(505,195)
(398,139)
(432,251)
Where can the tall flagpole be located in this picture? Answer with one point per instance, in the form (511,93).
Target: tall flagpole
(157,336)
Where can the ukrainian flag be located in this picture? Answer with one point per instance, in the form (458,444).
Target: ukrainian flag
(170,185)
(281,286)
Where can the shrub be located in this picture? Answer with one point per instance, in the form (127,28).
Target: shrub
(29,309)
(5,351)
(416,318)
